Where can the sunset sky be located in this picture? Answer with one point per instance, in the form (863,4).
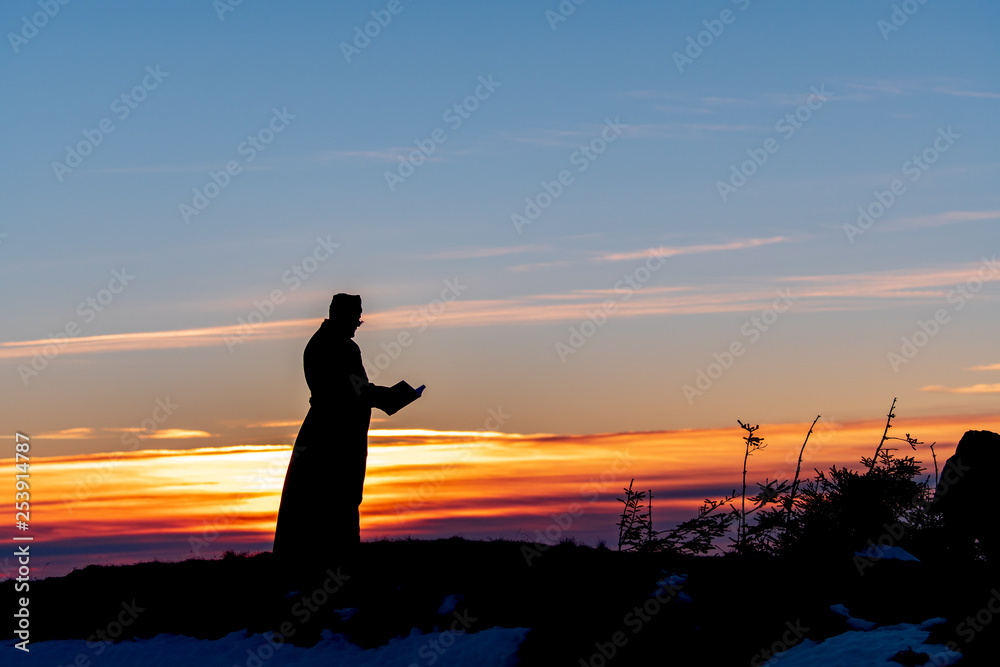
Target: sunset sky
(632,217)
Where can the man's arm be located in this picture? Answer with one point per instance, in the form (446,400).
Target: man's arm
(370,395)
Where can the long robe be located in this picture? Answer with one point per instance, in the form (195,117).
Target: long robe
(318,518)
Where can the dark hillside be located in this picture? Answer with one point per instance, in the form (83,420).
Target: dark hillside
(579,601)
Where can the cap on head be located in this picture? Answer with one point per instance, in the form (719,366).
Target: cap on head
(345,307)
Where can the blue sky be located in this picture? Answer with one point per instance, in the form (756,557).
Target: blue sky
(885,96)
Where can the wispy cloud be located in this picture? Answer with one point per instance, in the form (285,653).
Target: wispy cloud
(376,155)
(722,127)
(969,93)
(687,130)
(702,104)
(484,251)
(262,164)
(688,99)
(881,86)
(813,293)
(668,251)
(930,283)
(974,389)
(276,424)
(523,268)
(939,219)
(156,340)
(160,169)
(936,85)
(649,94)
(727,101)
(553,136)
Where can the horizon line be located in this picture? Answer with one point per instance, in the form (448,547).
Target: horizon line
(776,428)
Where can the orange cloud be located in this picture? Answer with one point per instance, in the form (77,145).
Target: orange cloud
(907,284)
(79,433)
(173,504)
(974,389)
(175,433)
(985,367)
(87,433)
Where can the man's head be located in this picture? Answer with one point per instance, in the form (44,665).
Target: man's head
(345,313)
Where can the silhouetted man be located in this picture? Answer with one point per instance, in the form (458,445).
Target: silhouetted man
(318,518)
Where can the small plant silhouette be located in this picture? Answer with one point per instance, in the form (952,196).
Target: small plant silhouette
(753,443)
(837,510)
(635,529)
(695,536)
(698,536)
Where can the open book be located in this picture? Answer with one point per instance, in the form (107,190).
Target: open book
(399,396)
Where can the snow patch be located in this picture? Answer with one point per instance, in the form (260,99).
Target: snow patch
(496,647)
(886,553)
(869,648)
(852,623)
(449,604)
(672,581)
